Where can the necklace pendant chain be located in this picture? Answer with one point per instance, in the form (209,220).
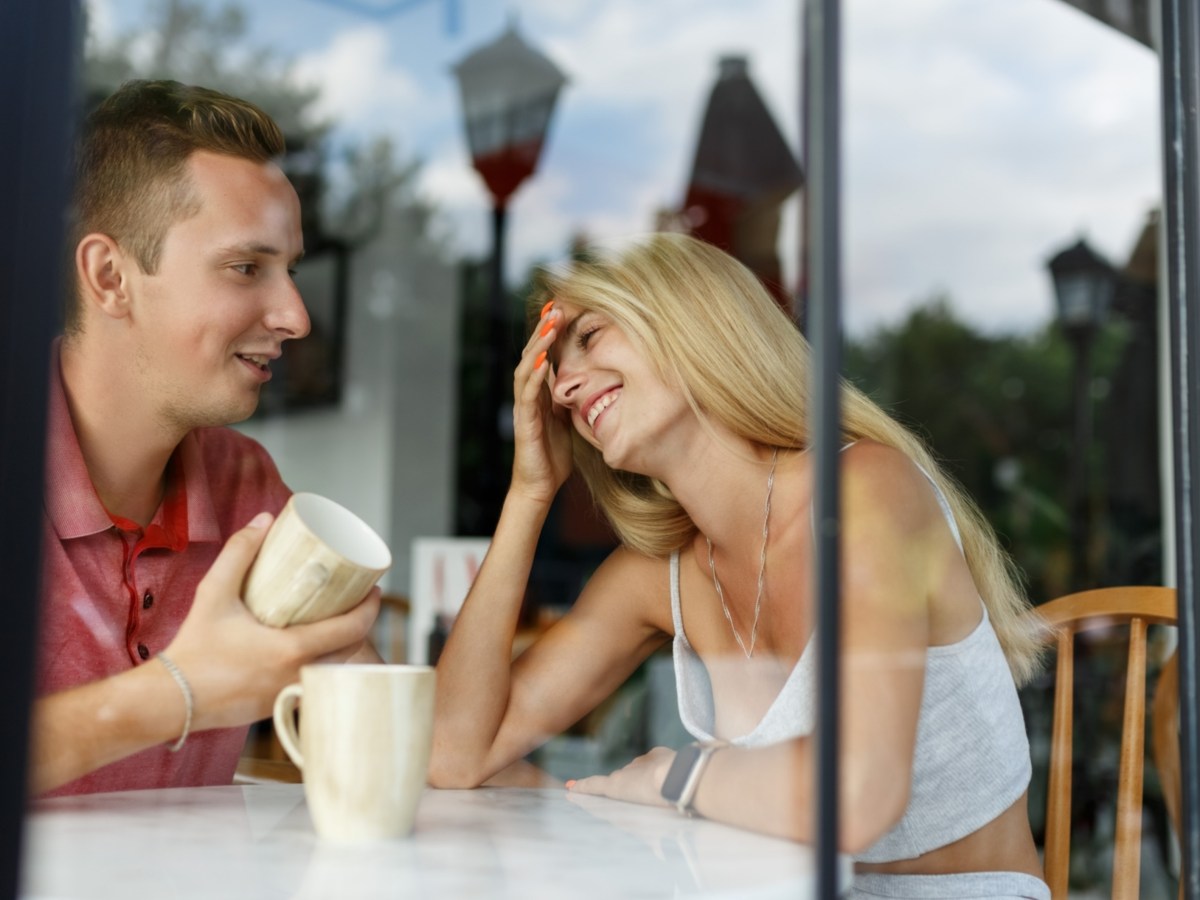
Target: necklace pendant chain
(762,568)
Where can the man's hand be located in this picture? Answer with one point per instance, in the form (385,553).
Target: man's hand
(235,664)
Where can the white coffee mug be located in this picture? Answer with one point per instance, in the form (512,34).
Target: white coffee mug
(363,745)
(318,560)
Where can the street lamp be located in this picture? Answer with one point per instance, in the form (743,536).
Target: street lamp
(1084,284)
(508,95)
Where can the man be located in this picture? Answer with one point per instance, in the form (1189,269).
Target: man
(185,236)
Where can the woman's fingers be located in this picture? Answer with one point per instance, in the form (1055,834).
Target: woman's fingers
(541,340)
(597,785)
(545,325)
(535,368)
(532,389)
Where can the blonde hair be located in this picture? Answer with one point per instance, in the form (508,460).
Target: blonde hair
(711,328)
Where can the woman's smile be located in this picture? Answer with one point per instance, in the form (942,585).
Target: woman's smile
(600,405)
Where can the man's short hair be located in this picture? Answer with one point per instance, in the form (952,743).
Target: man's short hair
(131,180)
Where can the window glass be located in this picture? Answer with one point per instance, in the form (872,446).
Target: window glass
(984,151)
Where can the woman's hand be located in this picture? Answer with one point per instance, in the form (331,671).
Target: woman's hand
(541,431)
(639,782)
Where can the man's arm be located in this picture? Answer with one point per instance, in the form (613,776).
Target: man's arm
(234,665)
(81,729)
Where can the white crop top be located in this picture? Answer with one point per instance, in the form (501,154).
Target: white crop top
(971,760)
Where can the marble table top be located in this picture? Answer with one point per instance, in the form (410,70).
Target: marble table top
(256,841)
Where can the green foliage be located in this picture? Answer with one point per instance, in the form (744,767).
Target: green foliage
(344,196)
(997,411)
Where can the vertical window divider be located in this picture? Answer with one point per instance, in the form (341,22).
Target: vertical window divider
(822,139)
(39,47)
(1180,79)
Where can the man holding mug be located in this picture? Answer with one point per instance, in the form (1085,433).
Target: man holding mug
(184,237)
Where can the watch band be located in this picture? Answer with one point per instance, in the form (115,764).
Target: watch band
(683,779)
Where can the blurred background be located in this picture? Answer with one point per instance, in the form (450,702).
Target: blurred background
(443,149)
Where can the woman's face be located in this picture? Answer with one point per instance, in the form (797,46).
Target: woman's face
(616,398)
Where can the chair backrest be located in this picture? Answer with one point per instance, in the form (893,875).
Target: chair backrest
(1136,607)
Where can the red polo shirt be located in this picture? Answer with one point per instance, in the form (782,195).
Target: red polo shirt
(113,594)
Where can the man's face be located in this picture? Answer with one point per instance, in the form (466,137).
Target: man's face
(222,302)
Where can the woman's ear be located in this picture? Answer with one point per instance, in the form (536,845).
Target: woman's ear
(101,269)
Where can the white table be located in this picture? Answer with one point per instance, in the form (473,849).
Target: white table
(256,841)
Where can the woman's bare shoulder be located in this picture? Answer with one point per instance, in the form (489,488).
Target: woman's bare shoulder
(629,568)
(633,580)
(884,484)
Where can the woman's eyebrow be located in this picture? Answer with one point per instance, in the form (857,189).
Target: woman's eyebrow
(572,327)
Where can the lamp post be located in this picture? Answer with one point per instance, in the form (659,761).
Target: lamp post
(508,94)
(1084,283)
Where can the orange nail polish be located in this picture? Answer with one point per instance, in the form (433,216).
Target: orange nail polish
(546,329)
(545,309)
(570,783)
(541,358)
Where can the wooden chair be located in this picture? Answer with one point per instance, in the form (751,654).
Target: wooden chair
(1164,741)
(1136,607)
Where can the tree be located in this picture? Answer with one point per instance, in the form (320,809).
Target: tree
(181,39)
(996,411)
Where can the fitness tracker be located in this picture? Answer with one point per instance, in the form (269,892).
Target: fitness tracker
(683,778)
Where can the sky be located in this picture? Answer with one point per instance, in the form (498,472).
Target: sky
(978,138)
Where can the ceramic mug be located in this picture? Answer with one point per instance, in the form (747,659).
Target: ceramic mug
(363,745)
(318,560)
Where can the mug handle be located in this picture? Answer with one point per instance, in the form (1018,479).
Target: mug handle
(285,722)
(304,587)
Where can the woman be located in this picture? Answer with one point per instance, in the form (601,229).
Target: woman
(673,381)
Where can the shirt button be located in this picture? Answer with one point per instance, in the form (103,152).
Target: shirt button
(143,651)
(147,600)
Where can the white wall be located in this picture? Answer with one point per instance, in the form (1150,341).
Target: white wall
(387,451)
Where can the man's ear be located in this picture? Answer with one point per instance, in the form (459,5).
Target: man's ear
(102,271)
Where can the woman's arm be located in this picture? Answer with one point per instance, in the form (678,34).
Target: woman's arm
(491,711)
(473,671)
(893,539)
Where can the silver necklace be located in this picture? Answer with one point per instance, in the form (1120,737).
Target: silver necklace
(762,568)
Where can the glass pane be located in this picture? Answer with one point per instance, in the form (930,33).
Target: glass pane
(977,143)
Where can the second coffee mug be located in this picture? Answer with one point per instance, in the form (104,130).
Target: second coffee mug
(318,560)
(363,745)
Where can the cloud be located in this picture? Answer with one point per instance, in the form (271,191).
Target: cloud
(462,202)
(977,142)
(361,88)
(662,57)
(101,21)
(977,138)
